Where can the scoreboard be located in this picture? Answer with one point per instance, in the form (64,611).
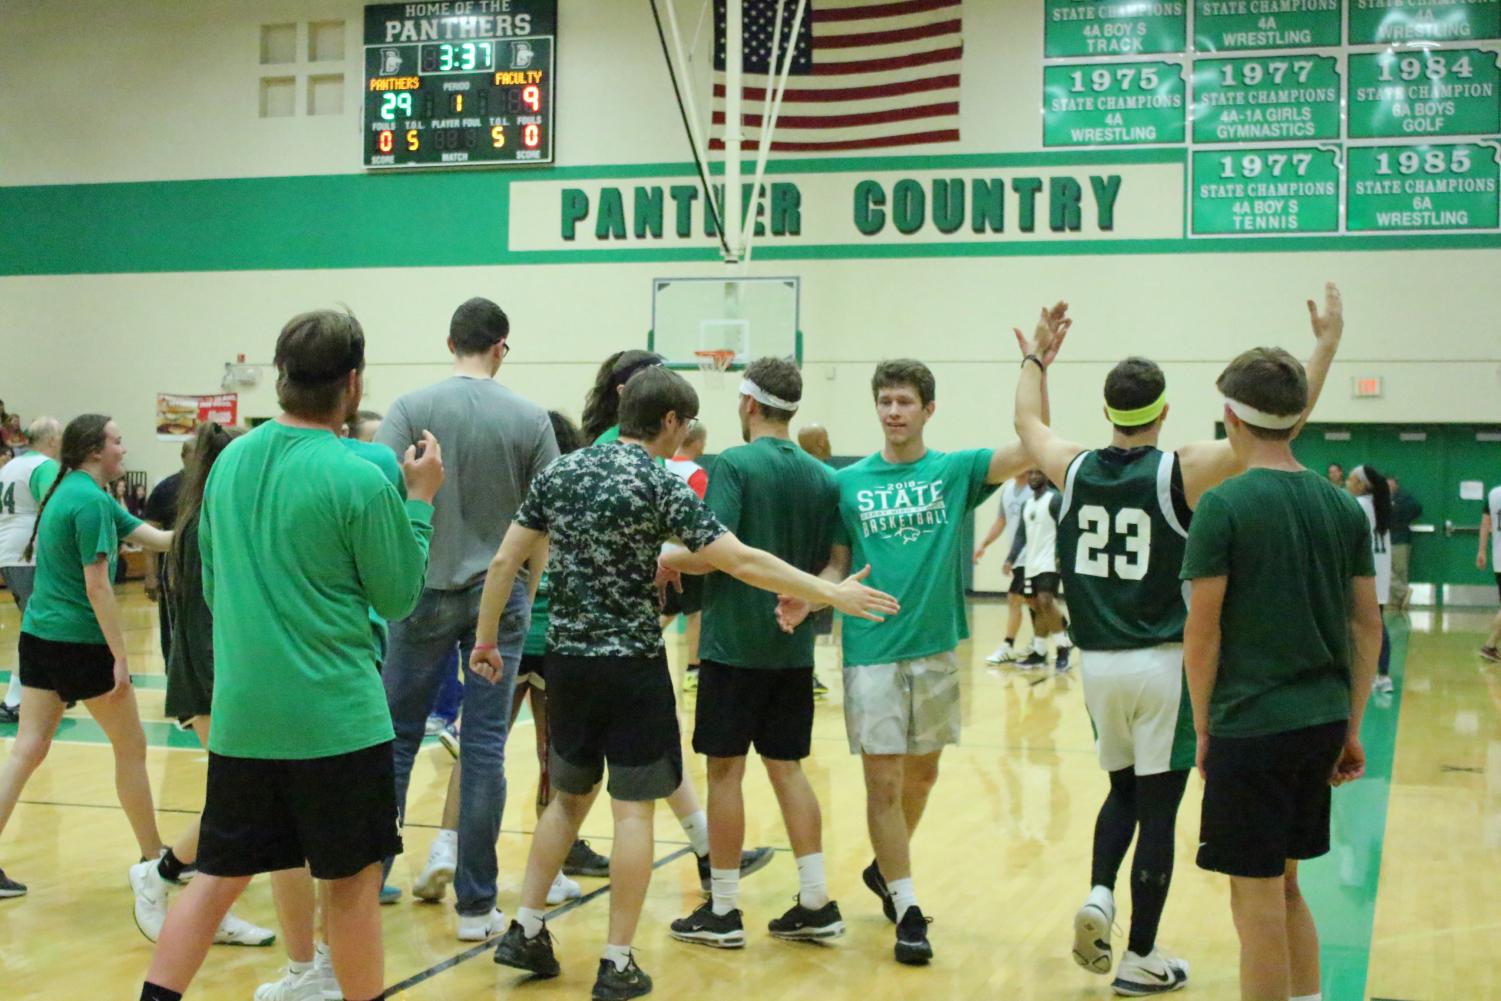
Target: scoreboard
(459,83)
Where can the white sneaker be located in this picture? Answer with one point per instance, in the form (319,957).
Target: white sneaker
(1157,973)
(562,890)
(309,985)
(1004,654)
(1092,925)
(151,898)
(1383,683)
(479,927)
(442,863)
(238,931)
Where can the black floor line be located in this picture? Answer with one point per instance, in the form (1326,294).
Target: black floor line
(488,944)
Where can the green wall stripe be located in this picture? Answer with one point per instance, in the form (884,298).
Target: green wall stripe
(1341,887)
(460,218)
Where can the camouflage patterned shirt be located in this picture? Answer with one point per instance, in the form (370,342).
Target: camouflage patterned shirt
(608,509)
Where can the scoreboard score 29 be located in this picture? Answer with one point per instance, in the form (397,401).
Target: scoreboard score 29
(459,83)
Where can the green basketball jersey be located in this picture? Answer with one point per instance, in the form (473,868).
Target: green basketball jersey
(1121,536)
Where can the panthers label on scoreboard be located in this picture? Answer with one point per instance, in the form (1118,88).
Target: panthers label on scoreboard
(459,83)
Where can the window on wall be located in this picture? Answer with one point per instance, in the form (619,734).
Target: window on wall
(300,73)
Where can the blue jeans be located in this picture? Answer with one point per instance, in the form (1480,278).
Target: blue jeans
(418,658)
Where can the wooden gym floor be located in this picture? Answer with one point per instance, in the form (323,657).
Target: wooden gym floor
(1001,861)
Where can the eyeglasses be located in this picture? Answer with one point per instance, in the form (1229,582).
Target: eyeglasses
(505,348)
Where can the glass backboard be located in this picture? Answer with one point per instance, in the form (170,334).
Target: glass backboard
(754,317)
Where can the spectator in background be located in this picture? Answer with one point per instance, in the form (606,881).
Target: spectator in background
(1336,474)
(160,510)
(1406,509)
(23,484)
(1490,535)
(364,425)
(814,439)
(135,499)
(11,433)
(689,601)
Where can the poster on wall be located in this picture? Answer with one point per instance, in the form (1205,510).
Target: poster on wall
(177,415)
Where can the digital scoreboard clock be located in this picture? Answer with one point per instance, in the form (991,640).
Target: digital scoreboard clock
(459,83)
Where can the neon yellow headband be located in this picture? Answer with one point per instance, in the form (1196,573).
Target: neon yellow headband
(1139,416)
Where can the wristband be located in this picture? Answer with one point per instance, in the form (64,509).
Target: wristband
(1040,366)
(482,647)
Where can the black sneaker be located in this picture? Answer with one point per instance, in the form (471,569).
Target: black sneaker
(1033,661)
(9,714)
(9,887)
(704,927)
(803,925)
(1060,660)
(752,861)
(534,955)
(912,945)
(819,688)
(877,884)
(585,861)
(617,985)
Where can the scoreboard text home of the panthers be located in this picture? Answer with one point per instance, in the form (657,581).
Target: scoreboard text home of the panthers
(459,83)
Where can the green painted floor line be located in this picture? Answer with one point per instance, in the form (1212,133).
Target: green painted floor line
(1341,887)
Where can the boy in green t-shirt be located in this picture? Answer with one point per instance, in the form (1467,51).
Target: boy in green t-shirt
(902,512)
(1280,648)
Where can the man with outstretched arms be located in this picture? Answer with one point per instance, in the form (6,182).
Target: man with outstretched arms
(1122,528)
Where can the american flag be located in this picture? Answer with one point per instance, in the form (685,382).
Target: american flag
(866,74)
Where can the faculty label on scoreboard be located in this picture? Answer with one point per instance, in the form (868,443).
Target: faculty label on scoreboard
(1424,93)
(1228,25)
(1112,105)
(1115,27)
(1424,187)
(1266,99)
(1265,191)
(459,83)
(1375,22)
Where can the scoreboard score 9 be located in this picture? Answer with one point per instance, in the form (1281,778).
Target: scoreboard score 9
(459,83)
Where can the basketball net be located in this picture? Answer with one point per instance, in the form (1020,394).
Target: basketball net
(713,363)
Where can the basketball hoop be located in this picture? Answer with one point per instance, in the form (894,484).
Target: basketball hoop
(714,362)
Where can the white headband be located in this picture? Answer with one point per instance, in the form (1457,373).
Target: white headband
(761,396)
(1260,418)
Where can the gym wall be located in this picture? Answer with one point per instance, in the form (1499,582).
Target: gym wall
(156,226)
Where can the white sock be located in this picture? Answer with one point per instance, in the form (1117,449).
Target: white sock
(1309,997)
(1039,645)
(696,826)
(812,886)
(445,838)
(321,955)
(902,895)
(530,921)
(295,967)
(13,690)
(620,955)
(1060,638)
(726,890)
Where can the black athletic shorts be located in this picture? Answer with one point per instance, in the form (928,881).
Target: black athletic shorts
(618,711)
(739,706)
(1018,581)
(533,671)
(336,814)
(689,601)
(1266,800)
(72,671)
(1043,583)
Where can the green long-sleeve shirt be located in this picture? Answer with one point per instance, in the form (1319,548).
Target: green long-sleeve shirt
(301,538)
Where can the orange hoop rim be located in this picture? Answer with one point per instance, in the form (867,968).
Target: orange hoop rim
(718,359)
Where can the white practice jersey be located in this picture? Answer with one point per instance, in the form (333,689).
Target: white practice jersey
(18,508)
(1013,497)
(1493,505)
(1042,533)
(1381,549)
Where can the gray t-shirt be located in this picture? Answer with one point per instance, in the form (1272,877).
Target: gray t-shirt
(494,443)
